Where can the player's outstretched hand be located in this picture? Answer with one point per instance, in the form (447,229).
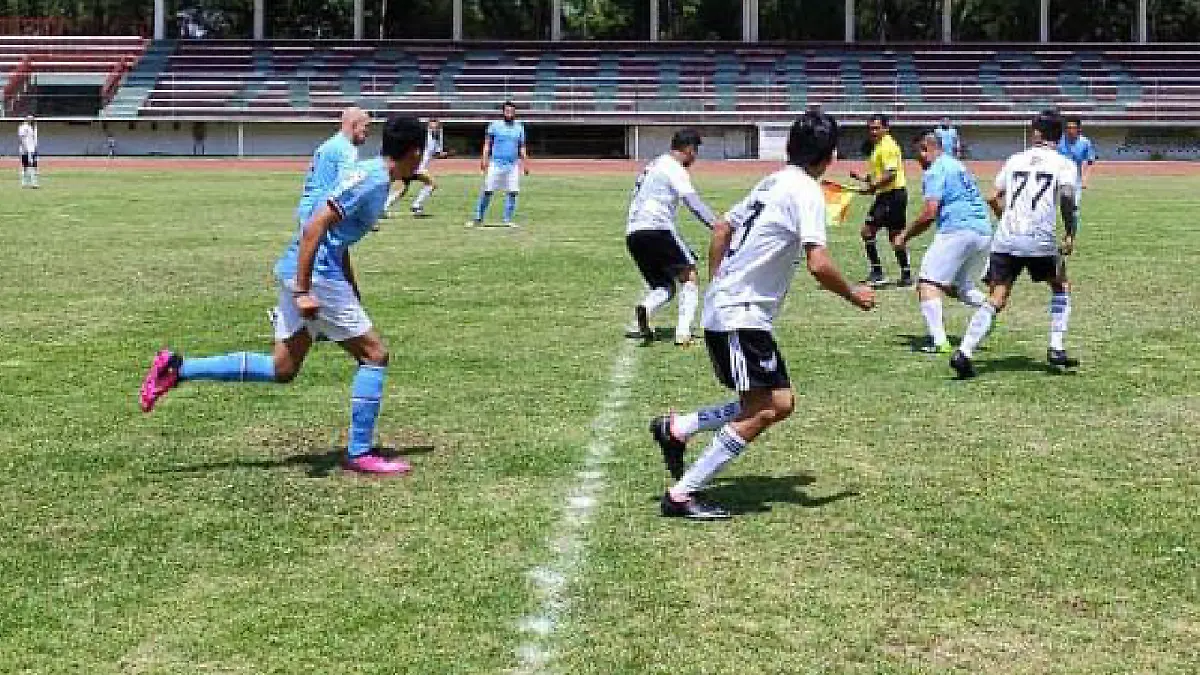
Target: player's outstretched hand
(308,305)
(864,298)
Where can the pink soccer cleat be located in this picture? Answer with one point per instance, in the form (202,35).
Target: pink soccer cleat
(377,465)
(162,377)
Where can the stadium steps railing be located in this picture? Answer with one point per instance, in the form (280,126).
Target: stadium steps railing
(140,81)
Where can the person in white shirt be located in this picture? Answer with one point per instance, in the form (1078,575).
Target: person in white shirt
(661,255)
(755,251)
(1032,189)
(27,143)
(433,150)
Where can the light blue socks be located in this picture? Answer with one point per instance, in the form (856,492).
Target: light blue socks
(366,393)
(235,367)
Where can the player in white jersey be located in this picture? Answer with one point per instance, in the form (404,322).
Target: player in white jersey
(27,143)
(662,256)
(754,253)
(1032,189)
(433,150)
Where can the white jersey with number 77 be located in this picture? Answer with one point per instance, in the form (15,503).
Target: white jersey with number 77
(1032,182)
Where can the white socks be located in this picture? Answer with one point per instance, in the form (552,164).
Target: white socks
(655,299)
(725,445)
(1060,315)
(419,202)
(932,311)
(978,329)
(972,296)
(689,298)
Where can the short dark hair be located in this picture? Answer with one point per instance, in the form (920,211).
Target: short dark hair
(1049,123)
(685,138)
(508,104)
(1076,120)
(812,139)
(927,135)
(881,119)
(401,134)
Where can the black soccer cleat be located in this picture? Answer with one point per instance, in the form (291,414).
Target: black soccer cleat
(962,365)
(643,324)
(1059,361)
(876,278)
(906,280)
(672,449)
(692,509)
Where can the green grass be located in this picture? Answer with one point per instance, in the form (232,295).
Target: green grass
(900,522)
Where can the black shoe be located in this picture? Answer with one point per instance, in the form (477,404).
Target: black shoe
(672,449)
(906,280)
(643,322)
(692,509)
(962,365)
(1059,361)
(876,278)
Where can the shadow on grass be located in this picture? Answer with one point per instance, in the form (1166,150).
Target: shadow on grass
(316,464)
(916,342)
(756,494)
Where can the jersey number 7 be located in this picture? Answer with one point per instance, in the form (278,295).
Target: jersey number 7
(1022,179)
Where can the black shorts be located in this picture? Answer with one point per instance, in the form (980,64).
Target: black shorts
(660,256)
(1004,268)
(28,160)
(890,210)
(747,359)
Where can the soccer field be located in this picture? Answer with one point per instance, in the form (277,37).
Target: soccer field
(899,522)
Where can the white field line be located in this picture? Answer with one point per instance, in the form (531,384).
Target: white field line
(551,581)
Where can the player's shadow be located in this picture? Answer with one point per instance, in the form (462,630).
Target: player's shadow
(756,494)
(315,464)
(916,342)
(1011,364)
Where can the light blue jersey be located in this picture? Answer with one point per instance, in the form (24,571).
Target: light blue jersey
(1080,152)
(949,138)
(507,139)
(960,206)
(331,158)
(359,197)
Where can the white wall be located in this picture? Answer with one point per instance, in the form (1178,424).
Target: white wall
(646,142)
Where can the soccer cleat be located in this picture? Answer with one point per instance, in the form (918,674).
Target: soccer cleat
(672,448)
(161,378)
(377,465)
(961,363)
(473,223)
(643,323)
(1059,361)
(692,509)
(876,278)
(684,341)
(906,280)
(931,347)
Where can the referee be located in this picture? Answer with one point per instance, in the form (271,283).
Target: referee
(887,182)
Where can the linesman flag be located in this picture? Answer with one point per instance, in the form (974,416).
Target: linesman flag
(837,202)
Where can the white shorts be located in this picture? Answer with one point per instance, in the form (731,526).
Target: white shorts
(340,315)
(956,259)
(499,178)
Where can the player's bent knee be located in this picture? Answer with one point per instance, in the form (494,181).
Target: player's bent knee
(286,371)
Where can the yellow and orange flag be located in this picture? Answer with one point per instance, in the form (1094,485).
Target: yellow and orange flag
(837,202)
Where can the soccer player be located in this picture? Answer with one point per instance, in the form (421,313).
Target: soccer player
(948,135)
(318,294)
(504,160)
(662,256)
(1031,188)
(959,250)
(27,142)
(433,148)
(887,182)
(1079,149)
(755,250)
(331,158)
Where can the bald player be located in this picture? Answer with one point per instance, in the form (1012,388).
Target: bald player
(331,158)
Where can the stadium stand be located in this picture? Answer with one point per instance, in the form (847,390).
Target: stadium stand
(23,60)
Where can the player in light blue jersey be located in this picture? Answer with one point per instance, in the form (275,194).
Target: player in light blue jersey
(1079,149)
(504,160)
(960,248)
(331,158)
(318,295)
(948,135)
